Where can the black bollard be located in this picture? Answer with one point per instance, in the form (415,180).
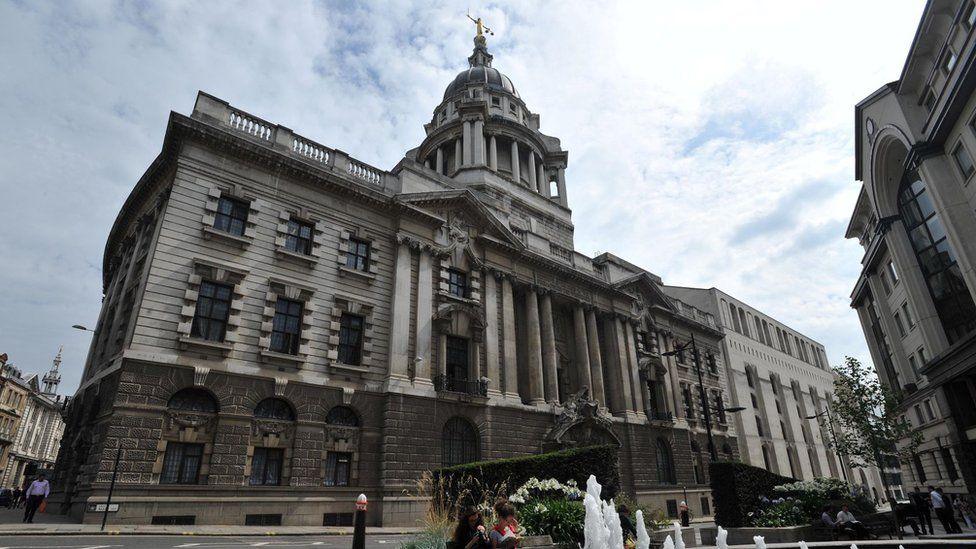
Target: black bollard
(359,526)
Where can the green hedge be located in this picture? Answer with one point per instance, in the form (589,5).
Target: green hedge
(736,489)
(473,483)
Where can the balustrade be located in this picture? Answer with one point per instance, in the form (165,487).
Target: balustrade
(310,149)
(251,125)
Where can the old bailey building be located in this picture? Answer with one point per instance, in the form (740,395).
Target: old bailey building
(284,326)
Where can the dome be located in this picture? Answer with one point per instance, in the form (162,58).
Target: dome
(480,74)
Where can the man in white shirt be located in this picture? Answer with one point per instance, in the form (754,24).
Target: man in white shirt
(943,512)
(36,493)
(847,522)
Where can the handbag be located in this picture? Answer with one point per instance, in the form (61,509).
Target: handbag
(42,507)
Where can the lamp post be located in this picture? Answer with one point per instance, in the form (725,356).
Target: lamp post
(701,392)
(833,437)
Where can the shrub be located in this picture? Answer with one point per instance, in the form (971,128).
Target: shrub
(468,484)
(787,513)
(813,495)
(736,488)
(560,519)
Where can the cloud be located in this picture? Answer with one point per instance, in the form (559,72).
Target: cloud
(683,120)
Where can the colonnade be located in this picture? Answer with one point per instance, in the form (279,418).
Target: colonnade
(475,147)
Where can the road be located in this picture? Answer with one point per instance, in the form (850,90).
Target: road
(194,542)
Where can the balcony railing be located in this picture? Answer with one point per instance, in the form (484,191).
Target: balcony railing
(654,415)
(445,383)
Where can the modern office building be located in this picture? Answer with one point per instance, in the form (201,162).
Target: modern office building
(785,384)
(914,147)
(285,326)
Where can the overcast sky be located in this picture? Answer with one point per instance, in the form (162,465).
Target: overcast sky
(710,142)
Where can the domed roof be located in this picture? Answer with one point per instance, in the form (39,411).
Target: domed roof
(480,71)
(480,74)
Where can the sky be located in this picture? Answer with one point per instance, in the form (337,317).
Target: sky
(709,142)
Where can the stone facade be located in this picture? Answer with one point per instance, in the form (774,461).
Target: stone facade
(285,327)
(915,219)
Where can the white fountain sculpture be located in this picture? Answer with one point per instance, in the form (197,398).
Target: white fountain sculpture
(595,531)
(760,542)
(679,540)
(668,543)
(721,535)
(643,539)
(803,545)
(613,525)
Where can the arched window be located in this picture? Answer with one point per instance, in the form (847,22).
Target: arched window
(735,319)
(665,465)
(459,442)
(274,408)
(936,258)
(192,399)
(766,461)
(343,416)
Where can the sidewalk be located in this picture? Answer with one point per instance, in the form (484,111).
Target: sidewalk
(46,524)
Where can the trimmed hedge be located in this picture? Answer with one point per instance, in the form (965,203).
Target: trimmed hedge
(736,489)
(470,483)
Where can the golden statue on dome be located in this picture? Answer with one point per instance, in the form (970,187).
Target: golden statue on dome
(481,26)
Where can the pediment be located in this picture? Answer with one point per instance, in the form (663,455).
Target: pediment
(458,210)
(646,291)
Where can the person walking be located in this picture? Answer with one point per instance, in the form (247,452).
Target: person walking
(923,511)
(36,493)
(685,513)
(943,511)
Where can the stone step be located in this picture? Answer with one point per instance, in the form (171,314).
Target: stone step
(541,542)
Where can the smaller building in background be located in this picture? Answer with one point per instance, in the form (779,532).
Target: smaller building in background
(784,383)
(35,437)
(13,400)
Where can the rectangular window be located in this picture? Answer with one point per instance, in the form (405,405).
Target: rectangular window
(749,378)
(755,403)
(457,283)
(181,465)
(928,410)
(672,508)
(929,99)
(759,427)
(350,338)
(918,414)
(357,255)
(963,161)
(686,396)
(922,359)
(719,407)
(884,282)
(231,216)
(908,315)
(262,520)
(213,308)
(266,466)
(337,519)
(914,364)
(286,327)
(298,237)
(949,60)
(969,16)
(706,508)
(337,468)
(892,273)
(496,101)
(901,325)
(950,463)
(457,358)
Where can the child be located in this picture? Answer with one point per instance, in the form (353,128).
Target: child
(503,535)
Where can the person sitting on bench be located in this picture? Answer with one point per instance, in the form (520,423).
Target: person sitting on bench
(847,523)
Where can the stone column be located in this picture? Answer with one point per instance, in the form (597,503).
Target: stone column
(425,314)
(638,389)
(542,180)
(549,366)
(491,334)
(478,142)
(620,395)
(510,350)
(468,144)
(672,364)
(561,186)
(532,171)
(400,325)
(457,154)
(516,172)
(533,347)
(493,154)
(440,160)
(474,367)
(582,353)
(596,364)
(442,353)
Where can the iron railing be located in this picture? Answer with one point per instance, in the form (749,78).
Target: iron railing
(477,387)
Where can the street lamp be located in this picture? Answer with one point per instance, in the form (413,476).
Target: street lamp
(833,437)
(701,392)
(83,328)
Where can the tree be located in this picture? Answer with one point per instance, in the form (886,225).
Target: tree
(869,425)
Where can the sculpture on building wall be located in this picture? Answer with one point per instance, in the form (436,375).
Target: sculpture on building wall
(581,423)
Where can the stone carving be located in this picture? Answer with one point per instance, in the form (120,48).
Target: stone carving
(581,423)
(263,427)
(189,419)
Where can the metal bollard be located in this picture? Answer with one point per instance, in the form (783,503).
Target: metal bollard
(359,526)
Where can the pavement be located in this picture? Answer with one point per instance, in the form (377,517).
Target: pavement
(158,541)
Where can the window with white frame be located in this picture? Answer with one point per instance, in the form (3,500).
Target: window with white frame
(963,161)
